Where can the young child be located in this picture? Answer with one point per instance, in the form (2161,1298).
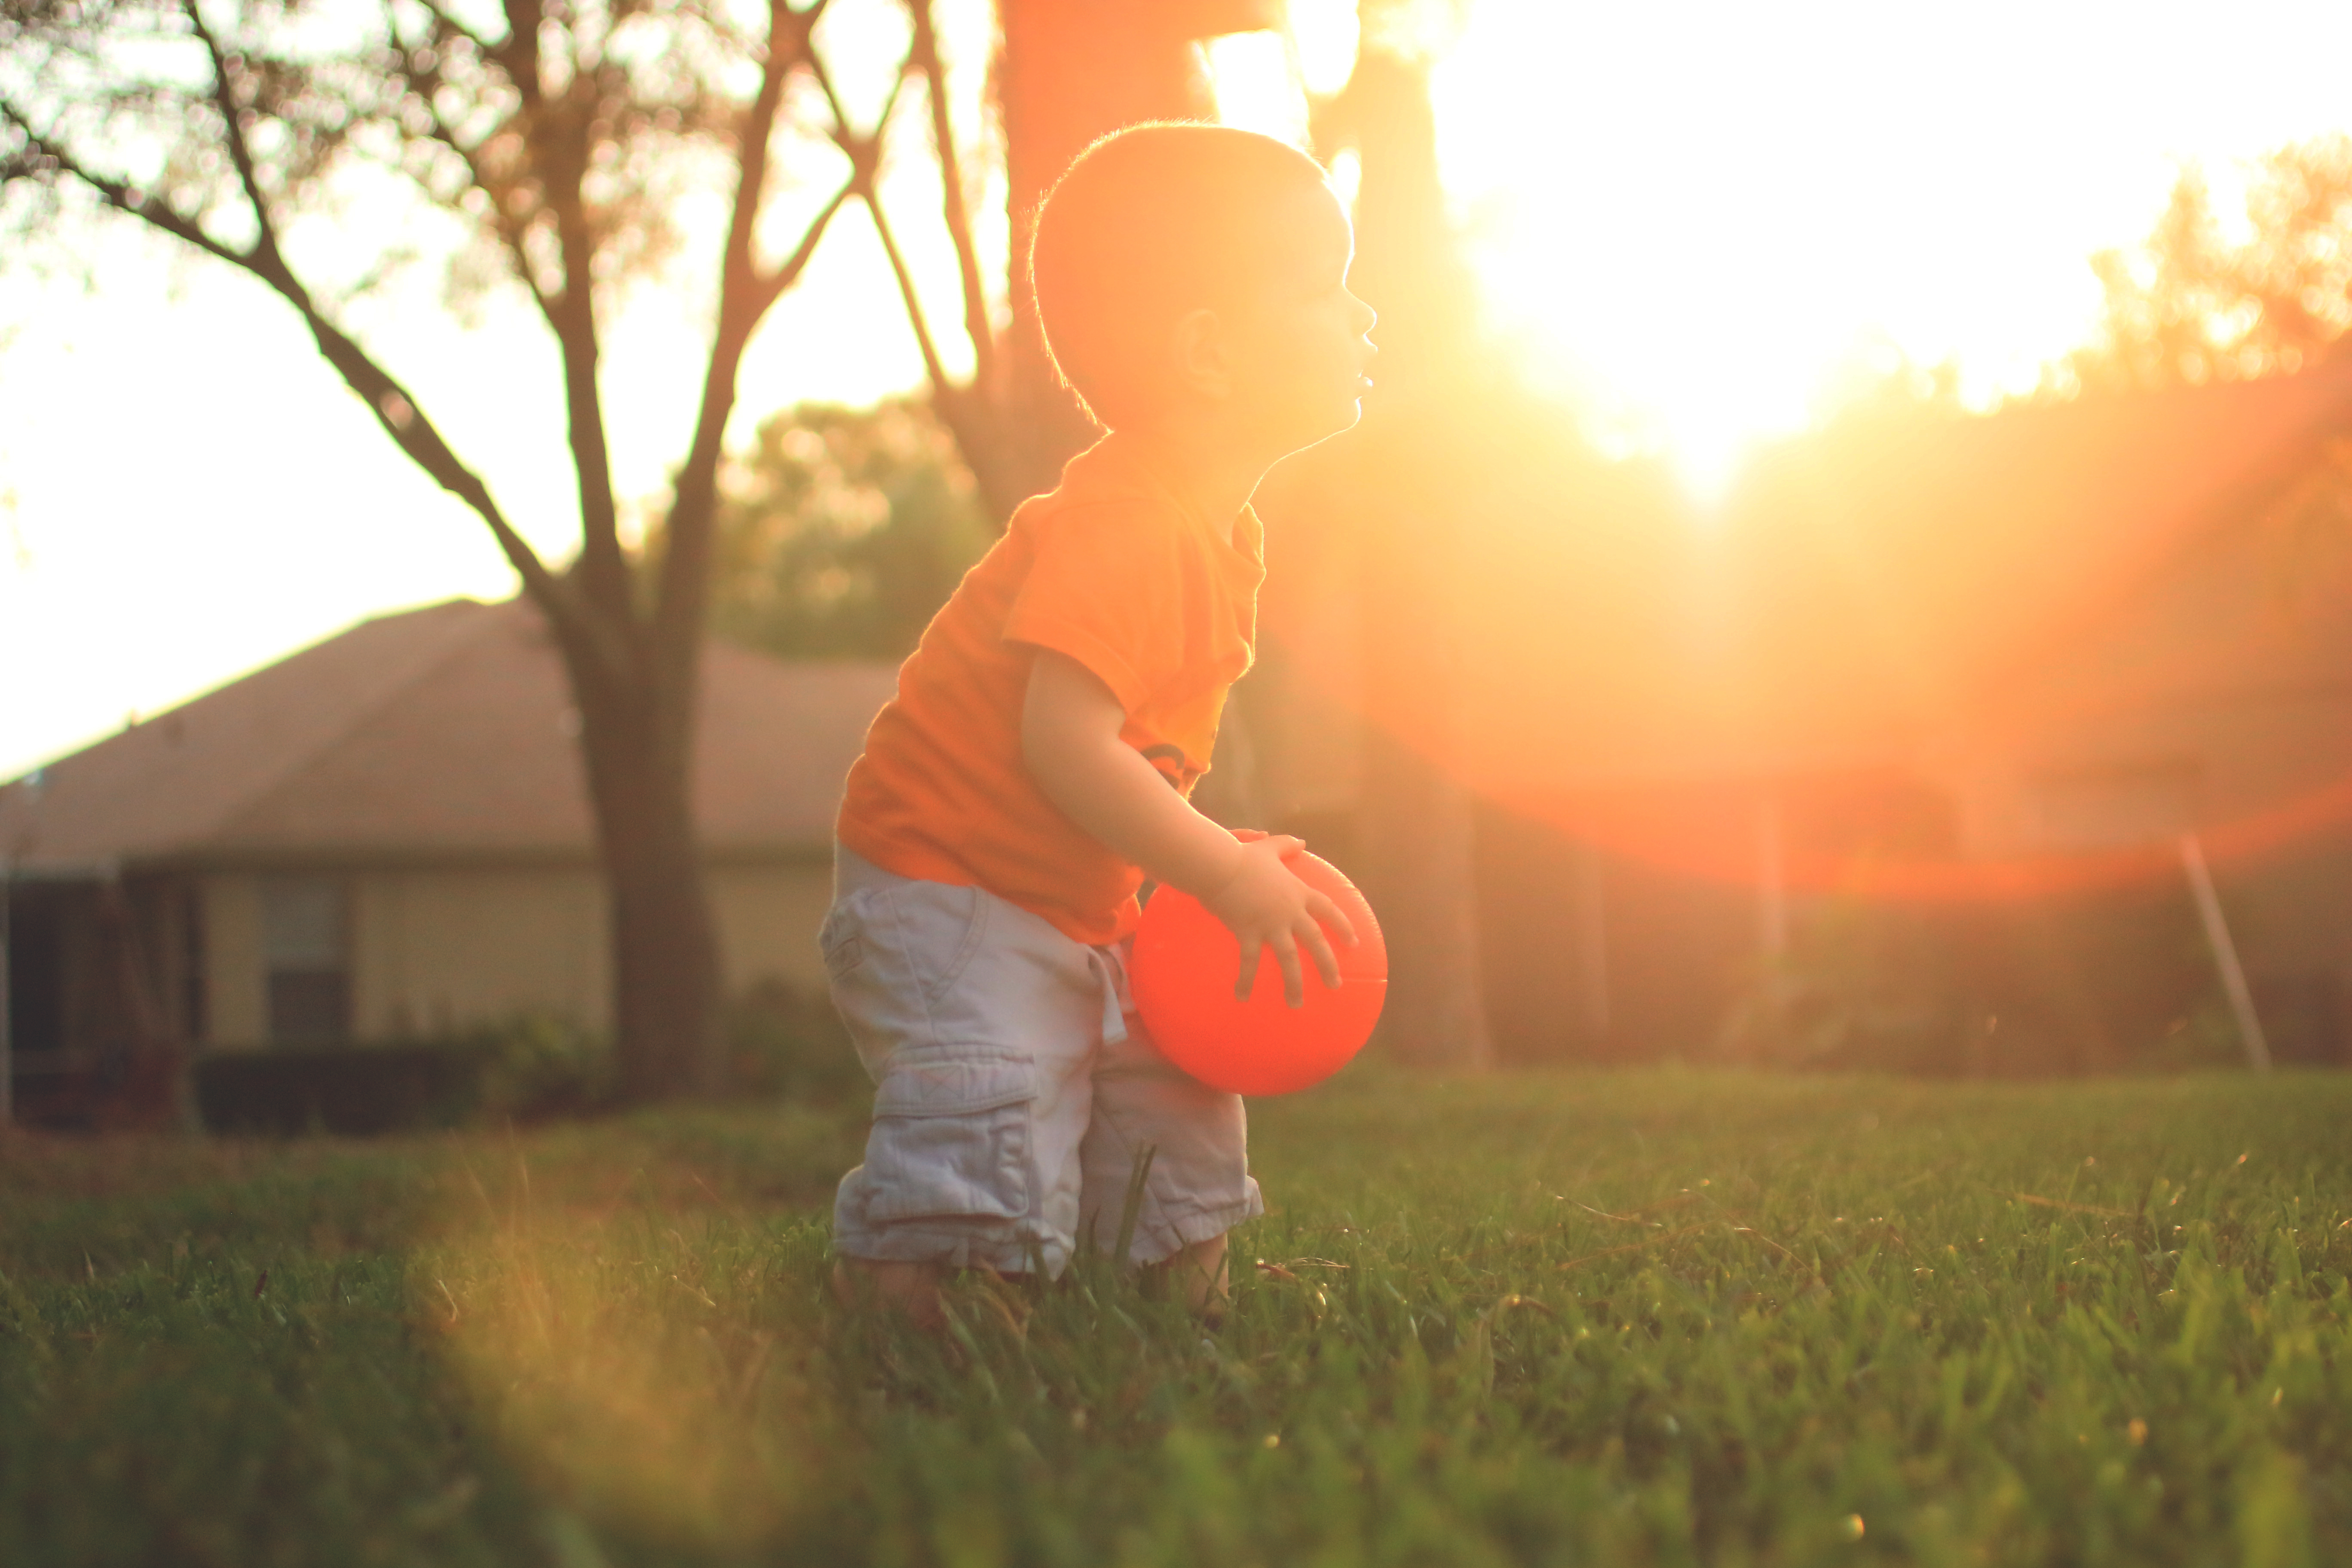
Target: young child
(1034,765)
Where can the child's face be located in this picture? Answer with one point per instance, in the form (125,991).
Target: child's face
(1297,347)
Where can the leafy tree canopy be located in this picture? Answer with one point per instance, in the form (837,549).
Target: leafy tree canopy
(2205,299)
(841,531)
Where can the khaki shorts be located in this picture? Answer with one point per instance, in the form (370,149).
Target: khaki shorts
(1016,1091)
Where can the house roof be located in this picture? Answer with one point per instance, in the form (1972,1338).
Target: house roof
(444,732)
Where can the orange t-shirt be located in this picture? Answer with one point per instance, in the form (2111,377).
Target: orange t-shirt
(1111,571)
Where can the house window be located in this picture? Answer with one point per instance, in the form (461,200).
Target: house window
(306,930)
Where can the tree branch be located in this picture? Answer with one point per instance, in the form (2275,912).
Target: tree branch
(448,21)
(519,55)
(865,161)
(788,45)
(788,272)
(604,570)
(394,407)
(933,367)
(424,86)
(240,154)
(745,294)
(976,326)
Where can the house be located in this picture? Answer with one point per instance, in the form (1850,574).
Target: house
(385,837)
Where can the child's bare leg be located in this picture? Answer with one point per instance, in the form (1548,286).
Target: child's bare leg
(909,1289)
(1198,1272)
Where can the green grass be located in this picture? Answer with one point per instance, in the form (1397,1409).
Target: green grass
(1609,1319)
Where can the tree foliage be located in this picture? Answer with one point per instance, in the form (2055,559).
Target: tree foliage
(841,532)
(2206,300)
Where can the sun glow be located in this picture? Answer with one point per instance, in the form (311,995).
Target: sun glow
(1706,225)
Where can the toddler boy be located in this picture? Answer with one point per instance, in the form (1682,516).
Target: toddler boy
(1035,762)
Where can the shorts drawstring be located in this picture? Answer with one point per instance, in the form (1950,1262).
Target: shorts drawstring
(1110,967)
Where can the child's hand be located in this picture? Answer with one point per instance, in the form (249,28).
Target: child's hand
(1265,906)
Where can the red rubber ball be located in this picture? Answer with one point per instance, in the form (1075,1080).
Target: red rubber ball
(1182,970)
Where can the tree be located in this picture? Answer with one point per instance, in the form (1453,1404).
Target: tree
(2191,304)
(556,134)
(841,532)
(2194,305)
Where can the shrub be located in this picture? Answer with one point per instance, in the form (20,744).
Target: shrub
(783,1042)
(2116,981)
(532,1065)
(527,1067)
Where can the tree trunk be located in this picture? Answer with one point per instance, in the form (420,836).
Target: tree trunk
(638,749)
(156,1092)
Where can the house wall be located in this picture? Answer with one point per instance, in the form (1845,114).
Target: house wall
(768,917)
(437,949)
(434,951)
(235,1002)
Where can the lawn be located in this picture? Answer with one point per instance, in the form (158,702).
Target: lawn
(1603,1319)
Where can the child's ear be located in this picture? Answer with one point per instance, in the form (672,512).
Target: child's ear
(1197,349)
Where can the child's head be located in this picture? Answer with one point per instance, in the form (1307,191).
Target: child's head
(1182,265)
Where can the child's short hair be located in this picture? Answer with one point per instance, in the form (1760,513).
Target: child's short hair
(1147,224)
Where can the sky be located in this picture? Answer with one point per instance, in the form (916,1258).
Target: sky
(1696,221)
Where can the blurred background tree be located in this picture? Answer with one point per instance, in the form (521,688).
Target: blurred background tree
(2203,299)
(842,532)
(2266,292)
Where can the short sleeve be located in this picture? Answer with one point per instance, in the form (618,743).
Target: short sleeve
(1106,588)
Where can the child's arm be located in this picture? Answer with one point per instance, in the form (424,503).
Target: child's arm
(1069,737)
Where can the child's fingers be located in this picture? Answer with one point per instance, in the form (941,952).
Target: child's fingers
(1327,963)
(1294,984)
(1327,913)
(1248,976)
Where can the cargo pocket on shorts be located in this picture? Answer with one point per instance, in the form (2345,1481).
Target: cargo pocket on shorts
(838,941)
(951,1135)
(942,925)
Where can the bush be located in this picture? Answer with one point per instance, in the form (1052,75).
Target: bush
(1859,989)
(533,1065)
(346,1089)
(528,1066)
(791,1044)
(2116,981)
